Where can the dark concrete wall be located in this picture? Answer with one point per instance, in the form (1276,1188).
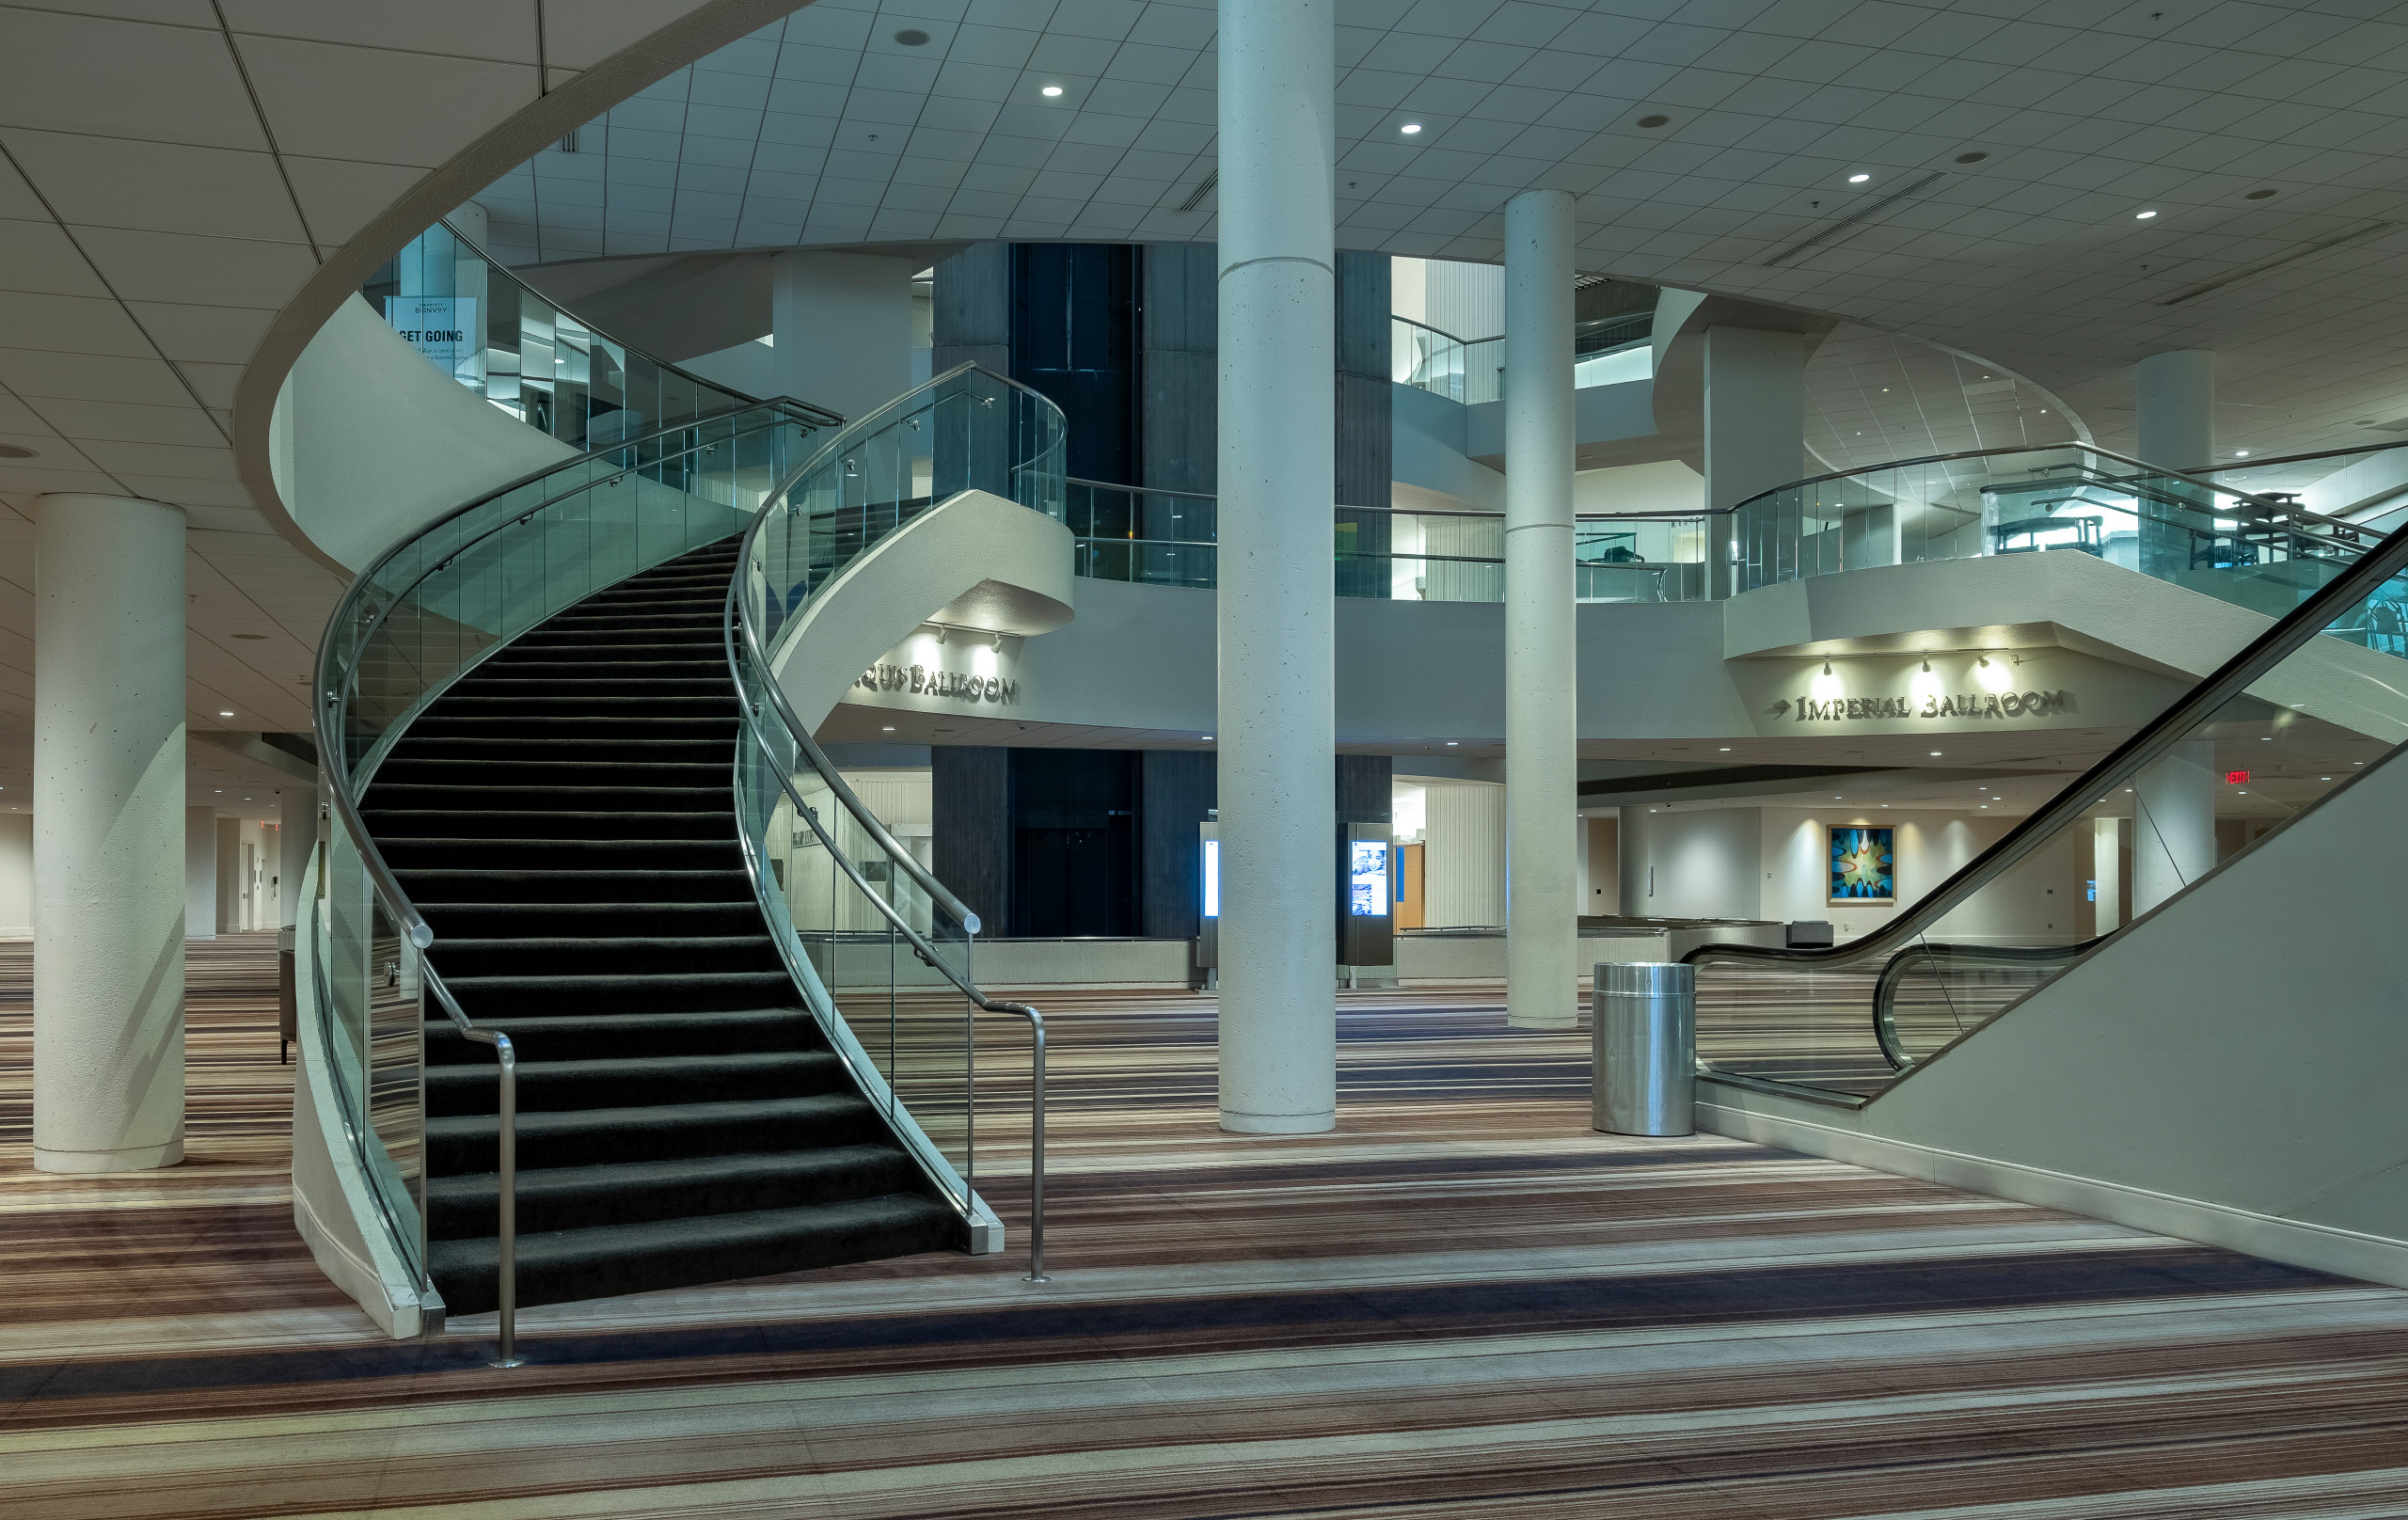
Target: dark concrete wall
(1177,788)
(969,819)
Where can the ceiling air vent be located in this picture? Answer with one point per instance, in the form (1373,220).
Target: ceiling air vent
(1196,197)
(1832,230)
(2256,270)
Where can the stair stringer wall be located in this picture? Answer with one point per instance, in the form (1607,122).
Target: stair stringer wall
(2230,1070)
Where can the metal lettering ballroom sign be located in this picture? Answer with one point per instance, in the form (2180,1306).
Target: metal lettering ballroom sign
(926,681)
(1967,704)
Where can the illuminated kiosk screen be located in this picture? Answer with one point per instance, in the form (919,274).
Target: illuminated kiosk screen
(1211,879)
(1368,879)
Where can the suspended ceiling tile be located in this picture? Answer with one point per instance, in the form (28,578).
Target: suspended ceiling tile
(174,267)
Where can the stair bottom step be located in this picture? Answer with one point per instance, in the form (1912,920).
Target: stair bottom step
(607,1261)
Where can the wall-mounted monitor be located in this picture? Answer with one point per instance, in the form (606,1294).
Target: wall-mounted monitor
(1368,879)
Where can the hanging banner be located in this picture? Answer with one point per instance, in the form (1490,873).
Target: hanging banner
(442,327)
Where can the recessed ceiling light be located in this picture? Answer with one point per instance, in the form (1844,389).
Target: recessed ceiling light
(1450,744)
(225,715)
(1051,91)
(1208,736)
(2143,216)
(1858,179)
(2258,195)
(1726,748)
(1934,755)
(251,636)
(912,37)
(1653,122)
(1971,158)
(1410,128)
(888,729)
(2241,454)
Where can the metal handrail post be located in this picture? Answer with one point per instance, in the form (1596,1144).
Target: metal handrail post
(1036,1131)
(506,1261)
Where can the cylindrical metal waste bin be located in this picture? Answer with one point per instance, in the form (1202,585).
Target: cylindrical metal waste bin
(1643,1032)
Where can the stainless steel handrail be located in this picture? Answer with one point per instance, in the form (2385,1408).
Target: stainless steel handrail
(506,1158)
(927,953)
(1893,972)
(2290,633)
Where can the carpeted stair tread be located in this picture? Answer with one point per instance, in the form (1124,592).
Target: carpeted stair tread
(730,1031)
(596,954)
(435,823)
(589,1136)
(567,1197)
(623,1081)
(502,996)
(566,1266)
(601,920)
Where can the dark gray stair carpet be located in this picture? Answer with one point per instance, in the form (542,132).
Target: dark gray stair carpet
(564,818)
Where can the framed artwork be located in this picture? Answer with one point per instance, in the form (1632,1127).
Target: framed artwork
(1861,866)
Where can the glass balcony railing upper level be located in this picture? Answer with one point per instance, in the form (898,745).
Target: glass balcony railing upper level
(1167,538)
(2265,552)
(475,321)
(1606,351)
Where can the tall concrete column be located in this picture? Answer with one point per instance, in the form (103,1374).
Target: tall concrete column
(1278,1027)
(2174,405)
(841,323)
(2173,822)
(1542,726)
(109,834)
(1755,429)
(297,835)
(2107,872)
(200,873)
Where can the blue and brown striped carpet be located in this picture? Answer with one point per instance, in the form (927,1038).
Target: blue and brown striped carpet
(1463,1303)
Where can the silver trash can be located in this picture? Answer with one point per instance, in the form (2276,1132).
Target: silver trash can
(1643,1032)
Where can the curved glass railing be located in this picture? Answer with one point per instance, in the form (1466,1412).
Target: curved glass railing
(2284,725)
(1606,351)
(479,323)
(2210,534)
(430,609)
(880,947)
(1167,538)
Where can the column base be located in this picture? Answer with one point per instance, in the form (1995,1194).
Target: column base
(1278,1123)
(138,1159)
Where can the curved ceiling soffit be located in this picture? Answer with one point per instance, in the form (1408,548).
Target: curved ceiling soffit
(510,142)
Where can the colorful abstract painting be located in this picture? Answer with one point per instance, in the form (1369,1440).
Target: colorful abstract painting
(1861,866)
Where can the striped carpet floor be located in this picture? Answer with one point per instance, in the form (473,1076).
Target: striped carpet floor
(1464,1303)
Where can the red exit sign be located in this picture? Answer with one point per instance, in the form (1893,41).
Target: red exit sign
(2235,778)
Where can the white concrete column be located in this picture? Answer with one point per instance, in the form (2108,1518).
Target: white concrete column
(1631,861)
(1278,463)
(1542,720)
(841,323)
(200,873)
(2173,822)
(109,834)
(298,838)
(2107,872)
(2174,405)
(1756,428)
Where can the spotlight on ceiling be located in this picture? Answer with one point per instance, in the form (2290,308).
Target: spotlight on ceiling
(2143,216)
(2241,454)
(1858,179)
(1984,660)
(1971,158)
(912,37)
(1410,128)
(1926,662)
(1654,120)
(1051,91)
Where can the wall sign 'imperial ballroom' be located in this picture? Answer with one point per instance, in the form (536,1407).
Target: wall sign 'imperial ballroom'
(1962,704)
(927,681)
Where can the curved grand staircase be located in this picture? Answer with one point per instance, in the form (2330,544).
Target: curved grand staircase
(562,815)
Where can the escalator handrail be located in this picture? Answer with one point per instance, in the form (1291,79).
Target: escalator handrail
(334,697)
(2290,633)
(744,639)
(1885,987)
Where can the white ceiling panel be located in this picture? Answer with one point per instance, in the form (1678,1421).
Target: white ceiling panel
(197,271)
(119,423)
(39,257)
(159,186)
(121,79)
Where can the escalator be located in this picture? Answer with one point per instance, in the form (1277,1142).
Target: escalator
(2310,710)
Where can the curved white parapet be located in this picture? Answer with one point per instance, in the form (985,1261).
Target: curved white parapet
(370,442)
(333,1205)
(972,562)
